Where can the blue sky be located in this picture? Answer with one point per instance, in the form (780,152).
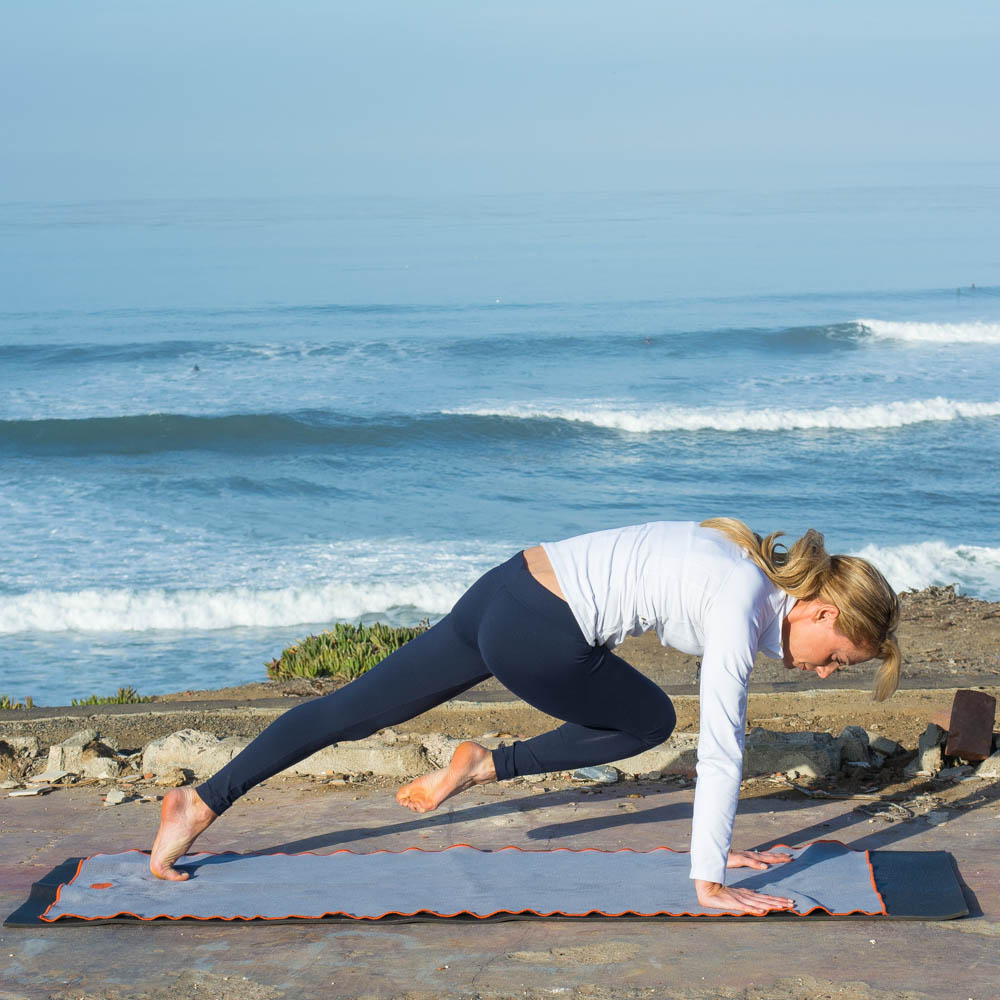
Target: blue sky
(136,99)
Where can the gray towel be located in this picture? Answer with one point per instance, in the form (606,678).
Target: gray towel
(825,875)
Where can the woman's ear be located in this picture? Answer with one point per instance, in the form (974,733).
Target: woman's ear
(828,613)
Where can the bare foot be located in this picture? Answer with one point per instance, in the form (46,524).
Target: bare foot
(182,817)
(471,764)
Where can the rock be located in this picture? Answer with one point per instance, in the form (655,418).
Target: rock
(602,774)
(955,772)
(927,762)
(71,753)
(932,736)
(48,777)
(885,746)
(172,777)
(13,764)
(403,758)
(677,756)
(81,738)
(854,745)
(811,754)
(439,747)
(990,768)
(929,757)
(115,797)
(192,750)
(102,767)
(26,745)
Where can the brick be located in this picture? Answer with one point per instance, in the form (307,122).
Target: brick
(970,733)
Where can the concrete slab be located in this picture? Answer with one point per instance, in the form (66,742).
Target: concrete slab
(863,960)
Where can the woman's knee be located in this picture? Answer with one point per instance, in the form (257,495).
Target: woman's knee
(662,726)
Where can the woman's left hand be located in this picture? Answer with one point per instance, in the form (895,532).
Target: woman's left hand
(756,859)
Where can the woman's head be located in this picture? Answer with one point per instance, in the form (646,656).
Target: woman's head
(869,615)
(846,608)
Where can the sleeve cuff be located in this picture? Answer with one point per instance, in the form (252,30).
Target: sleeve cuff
(709,872)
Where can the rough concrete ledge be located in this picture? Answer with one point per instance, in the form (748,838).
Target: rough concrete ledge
(191,753)
(134,725)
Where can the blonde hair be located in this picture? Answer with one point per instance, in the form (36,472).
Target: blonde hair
(868,606)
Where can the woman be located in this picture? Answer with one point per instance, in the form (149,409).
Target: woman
(544,623)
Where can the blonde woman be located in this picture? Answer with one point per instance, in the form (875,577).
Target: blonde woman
(545,624)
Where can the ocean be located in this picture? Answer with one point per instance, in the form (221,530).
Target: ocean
(228,423)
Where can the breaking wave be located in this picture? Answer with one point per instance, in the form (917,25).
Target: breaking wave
(975,569)
(679,418)
(127,610)
(932,333)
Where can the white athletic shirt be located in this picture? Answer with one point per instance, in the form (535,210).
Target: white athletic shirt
(703,595)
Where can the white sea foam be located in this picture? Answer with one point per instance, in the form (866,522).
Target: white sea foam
(127,610)
(974,568)
(933,333)
(680,418)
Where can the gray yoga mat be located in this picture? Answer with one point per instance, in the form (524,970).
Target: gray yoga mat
(825,876)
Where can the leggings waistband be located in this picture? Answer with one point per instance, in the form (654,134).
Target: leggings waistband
(524,588)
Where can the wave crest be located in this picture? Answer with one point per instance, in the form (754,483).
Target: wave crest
(974,568)
(677,418)
(126,610)
(932,333)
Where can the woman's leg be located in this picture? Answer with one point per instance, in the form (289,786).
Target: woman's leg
(427,671)
(533,645)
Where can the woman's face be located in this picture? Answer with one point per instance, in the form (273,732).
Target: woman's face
(812,642)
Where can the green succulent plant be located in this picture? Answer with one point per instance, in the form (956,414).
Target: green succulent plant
(125,696)
(344,651)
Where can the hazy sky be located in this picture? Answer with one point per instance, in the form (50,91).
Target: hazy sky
(202,97)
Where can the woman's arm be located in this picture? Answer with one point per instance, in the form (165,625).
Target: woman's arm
(732,633)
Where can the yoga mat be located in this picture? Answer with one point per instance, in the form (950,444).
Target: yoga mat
(461,882)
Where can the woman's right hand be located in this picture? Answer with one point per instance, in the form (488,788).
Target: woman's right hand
(717,896)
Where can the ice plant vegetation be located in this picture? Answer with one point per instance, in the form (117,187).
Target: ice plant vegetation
(344,651)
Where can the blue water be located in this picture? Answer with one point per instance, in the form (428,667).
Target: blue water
(227,423)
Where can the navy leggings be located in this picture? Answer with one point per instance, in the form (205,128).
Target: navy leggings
(506,625)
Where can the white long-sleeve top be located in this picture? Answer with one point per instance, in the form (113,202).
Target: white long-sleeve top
(703,595)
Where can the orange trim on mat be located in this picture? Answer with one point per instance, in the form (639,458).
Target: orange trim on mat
(478,916)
